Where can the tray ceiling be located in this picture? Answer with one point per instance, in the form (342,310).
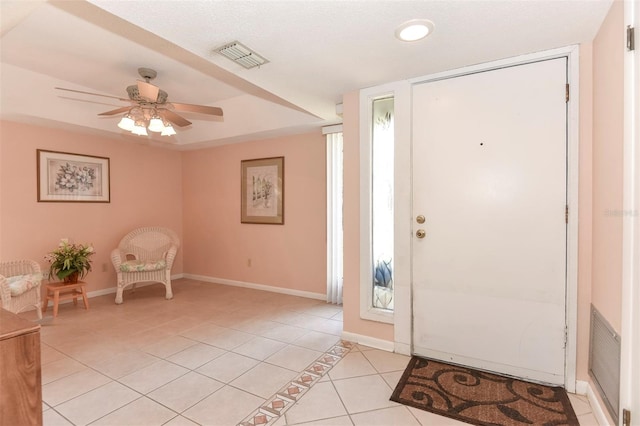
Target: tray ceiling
(317,51)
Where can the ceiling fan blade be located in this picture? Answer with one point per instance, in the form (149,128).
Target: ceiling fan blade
(174,118)
(202,109)
(116,111)
(89,93)
(148,91)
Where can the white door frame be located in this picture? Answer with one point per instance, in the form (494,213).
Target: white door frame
(630,351)
(403,320)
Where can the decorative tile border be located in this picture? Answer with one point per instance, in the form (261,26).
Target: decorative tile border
(274,407)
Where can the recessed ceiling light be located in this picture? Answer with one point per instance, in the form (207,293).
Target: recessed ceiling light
(415,29)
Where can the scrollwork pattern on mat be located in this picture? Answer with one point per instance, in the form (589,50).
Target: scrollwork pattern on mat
(481,398)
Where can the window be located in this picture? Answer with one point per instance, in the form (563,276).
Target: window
(385,191)
(334,214)
(382,201)
(385,204)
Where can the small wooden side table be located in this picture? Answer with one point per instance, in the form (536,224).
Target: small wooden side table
(69,291)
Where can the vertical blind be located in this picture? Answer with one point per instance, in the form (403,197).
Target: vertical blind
(334,218)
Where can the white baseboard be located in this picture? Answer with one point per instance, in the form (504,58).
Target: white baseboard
(291,292)
(234,283)
(112,290)
(402,348)
(97,293)
(594,402)
(360,339)
(582,387)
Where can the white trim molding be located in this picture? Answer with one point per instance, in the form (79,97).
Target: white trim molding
(112,290)
(402,255)
(372,342)
(596,407)
(585,389)
(630,343)
(222,281)
(255,286)
(336,128)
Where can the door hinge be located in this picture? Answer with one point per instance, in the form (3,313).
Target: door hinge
(566,214)
(631,43)
(566,93)
(626,417)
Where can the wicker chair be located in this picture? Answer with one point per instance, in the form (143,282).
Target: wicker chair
(145,255)
(20,285)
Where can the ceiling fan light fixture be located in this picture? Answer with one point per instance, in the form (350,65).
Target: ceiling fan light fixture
(168,131)
(150,108)
(139,129)
(156,124)
(414,30)
(126,123)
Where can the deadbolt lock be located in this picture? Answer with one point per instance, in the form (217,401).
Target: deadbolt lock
(420,233)
(420,218)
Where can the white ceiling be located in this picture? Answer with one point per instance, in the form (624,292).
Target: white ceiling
(318,50)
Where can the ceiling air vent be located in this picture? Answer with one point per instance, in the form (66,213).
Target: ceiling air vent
(241,54)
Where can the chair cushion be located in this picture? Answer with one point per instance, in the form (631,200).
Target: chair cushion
(19,284)
(143,266)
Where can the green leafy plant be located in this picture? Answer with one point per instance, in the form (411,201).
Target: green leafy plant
(69,258)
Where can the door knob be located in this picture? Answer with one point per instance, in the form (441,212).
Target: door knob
(420,233)
(420,218)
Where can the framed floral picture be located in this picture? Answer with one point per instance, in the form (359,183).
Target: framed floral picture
(262,191)
(67,177)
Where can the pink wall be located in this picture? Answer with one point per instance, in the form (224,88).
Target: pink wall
(608,112)
(146,189)
(585,188)
(351,219)
(292,255)
(154,186)
(608,72)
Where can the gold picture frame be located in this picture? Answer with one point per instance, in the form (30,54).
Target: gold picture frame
(72,178)
(262,191)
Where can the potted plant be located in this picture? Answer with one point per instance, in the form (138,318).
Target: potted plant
(70,261)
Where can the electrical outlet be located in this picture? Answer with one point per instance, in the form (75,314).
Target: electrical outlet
(105,267)
(249,262)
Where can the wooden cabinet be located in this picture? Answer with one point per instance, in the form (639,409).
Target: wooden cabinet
(20,371)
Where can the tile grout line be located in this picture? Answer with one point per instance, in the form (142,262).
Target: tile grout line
(60,345)
(274,407)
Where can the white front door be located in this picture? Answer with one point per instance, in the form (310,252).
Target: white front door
(490,178)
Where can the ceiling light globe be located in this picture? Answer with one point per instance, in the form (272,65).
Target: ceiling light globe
(156,125)
(168,131)
(414,30)
(139,130)
(126,123)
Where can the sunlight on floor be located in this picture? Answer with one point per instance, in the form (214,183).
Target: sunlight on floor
(218,355)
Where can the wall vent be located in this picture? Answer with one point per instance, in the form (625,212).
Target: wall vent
(604,361)
(241,54)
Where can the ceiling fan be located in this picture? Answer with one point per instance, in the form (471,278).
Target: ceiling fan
(149,108)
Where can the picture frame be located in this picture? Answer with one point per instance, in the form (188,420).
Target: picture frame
(262,191)
(72,178)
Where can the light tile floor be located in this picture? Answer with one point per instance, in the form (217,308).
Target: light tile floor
(218,355)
